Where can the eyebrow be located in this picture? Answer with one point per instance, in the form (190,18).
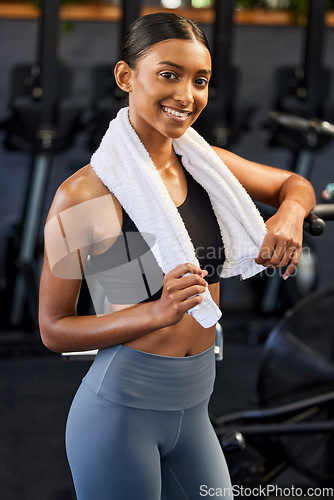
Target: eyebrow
(178,66)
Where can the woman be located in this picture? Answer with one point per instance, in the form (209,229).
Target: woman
(138,426)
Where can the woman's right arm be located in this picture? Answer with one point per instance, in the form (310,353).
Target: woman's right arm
(62,330)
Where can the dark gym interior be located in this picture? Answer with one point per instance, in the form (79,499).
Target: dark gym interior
(262,369)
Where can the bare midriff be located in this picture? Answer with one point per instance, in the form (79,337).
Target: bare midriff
(186,338)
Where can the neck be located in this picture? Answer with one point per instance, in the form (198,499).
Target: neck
(159,147)
(161,151)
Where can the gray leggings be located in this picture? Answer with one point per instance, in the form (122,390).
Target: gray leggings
(138,429)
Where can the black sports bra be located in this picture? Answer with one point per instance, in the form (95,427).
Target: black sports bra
(128,270)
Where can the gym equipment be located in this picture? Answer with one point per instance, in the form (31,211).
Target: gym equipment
(224,118)
(312,130)
(44,121)
(107,97)
(305,91)
(300,94)
(292,423)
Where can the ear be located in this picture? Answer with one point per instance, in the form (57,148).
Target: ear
(123,76)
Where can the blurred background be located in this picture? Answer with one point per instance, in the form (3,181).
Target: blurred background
(271,101)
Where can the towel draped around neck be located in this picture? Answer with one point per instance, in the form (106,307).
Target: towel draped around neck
(125,167)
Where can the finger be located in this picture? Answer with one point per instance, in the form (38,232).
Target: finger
(281,256)
(186,268)
(174,285)
(191,302)
(191,280)
(265,254)
(266,249)
(288,255)
(293,264)
(188,292)
(180,289)
(183,300)
(276,257)
(273,250)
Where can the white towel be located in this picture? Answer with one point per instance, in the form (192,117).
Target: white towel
(127,170)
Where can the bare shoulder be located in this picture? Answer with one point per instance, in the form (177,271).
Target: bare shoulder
(81,187)
(86,215)
(225,155)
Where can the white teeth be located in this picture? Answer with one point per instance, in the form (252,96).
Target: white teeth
(175,113)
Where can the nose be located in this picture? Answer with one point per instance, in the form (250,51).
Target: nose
(184,93)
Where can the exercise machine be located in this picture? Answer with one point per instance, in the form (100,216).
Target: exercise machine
(43,121)
(224,118)
(291,423)
(106,97)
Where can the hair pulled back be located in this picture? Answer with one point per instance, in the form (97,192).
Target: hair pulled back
(154,28)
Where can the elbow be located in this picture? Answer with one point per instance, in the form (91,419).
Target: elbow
(309,190)
(311,197)
(48,336)
(51,346)
(50,343)
(314,200)
(300,189)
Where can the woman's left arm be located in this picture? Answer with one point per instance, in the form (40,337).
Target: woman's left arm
(291,194)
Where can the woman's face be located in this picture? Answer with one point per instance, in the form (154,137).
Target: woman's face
(169,88)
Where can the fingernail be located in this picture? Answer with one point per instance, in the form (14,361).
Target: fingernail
(285,276)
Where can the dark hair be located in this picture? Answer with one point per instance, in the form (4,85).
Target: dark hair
(154,28)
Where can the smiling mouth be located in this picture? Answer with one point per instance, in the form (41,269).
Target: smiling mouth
(175,113)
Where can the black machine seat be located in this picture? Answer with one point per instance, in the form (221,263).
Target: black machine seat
(25,106)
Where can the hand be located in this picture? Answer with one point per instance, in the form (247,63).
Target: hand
(181,291)
(282,244)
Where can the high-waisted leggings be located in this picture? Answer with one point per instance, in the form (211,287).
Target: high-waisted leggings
(138,429)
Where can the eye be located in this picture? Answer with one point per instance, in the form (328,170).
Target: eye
(201,82)
(168,74)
